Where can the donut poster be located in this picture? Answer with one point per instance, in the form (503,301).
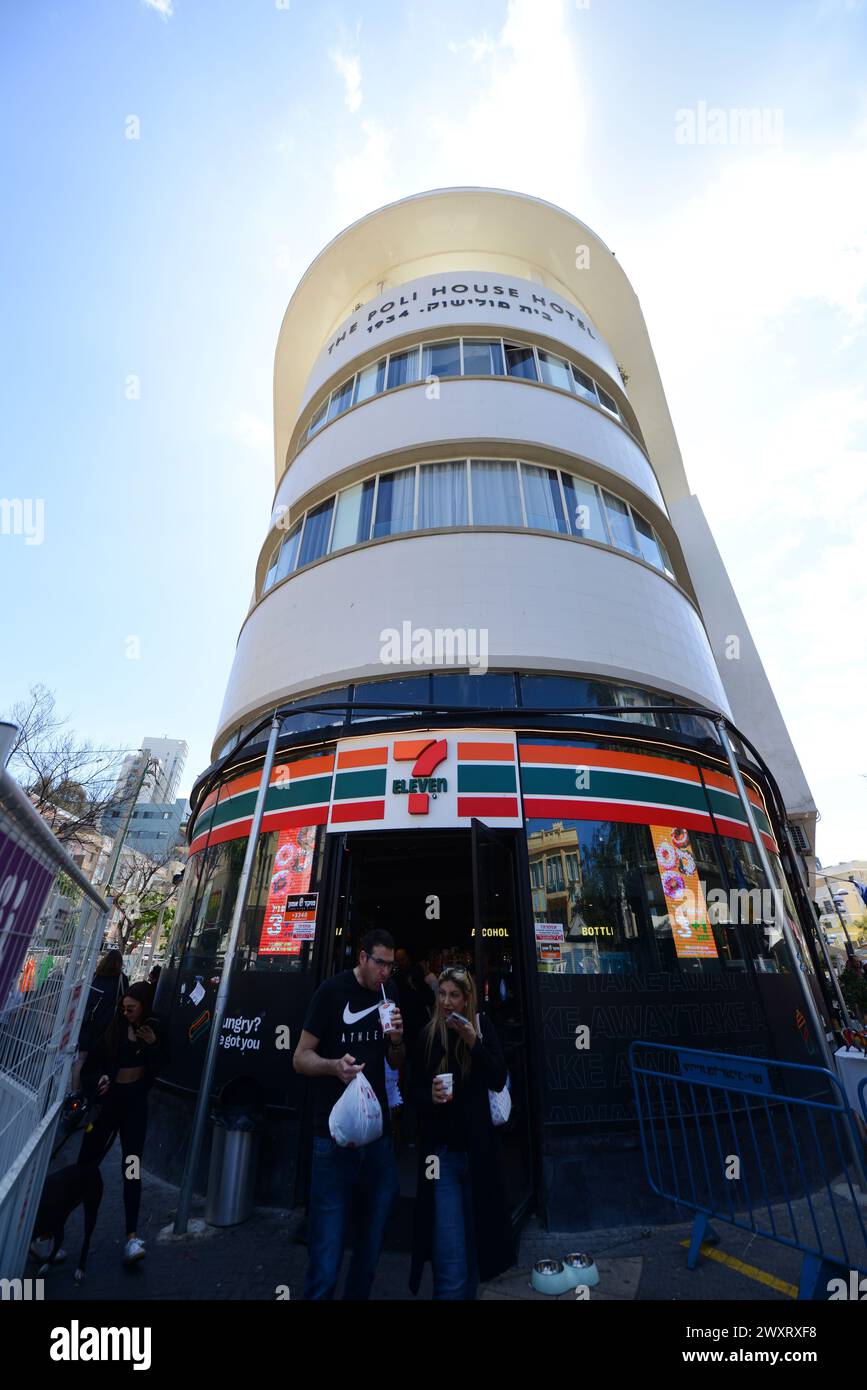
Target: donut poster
(687,909)
(290,875)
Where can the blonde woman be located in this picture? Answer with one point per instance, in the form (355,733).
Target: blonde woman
(462,1222)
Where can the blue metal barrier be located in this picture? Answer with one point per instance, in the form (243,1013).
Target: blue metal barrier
(862,1098)
(743,1139)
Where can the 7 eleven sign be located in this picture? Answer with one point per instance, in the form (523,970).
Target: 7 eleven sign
(427,778)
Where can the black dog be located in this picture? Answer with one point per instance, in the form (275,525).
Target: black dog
(63,1192)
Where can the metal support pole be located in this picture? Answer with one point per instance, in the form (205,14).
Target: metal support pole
(779,900)
(155,936)
(850,949)
(823,945)
(186,1193)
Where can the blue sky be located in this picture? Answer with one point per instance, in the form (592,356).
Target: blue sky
(264,129)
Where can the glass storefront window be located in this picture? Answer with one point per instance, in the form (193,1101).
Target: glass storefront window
(496,496)
(564,692)
(317,719)
(582,504)
(483,357)
(620,523)
(493,688)
(370,381)
(288,552)
(395,502)
(542,500)
(442,359)
(555,370)
(521,362)
(396,691)
(316,529)
(403,368)
(354,509)
(442,497)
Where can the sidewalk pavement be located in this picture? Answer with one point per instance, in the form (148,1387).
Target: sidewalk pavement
(265,1254)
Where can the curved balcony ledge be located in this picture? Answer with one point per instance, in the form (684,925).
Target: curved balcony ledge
(579,608)
(503,413)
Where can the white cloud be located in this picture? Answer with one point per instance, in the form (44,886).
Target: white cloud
(534,88)
(360,170)
(478,47)
(349,68)
(162,7)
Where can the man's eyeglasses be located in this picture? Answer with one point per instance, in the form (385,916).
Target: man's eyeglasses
(388,965)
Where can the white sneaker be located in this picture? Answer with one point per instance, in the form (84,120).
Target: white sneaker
(133,1250)
(41,1249)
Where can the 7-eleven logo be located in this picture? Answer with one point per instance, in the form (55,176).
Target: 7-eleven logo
(425,755)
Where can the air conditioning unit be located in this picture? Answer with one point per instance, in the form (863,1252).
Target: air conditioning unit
(800,838)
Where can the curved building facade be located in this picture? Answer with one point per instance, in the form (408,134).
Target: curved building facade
(499,634)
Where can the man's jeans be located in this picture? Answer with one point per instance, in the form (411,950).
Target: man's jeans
(339,1177)
(455,1272)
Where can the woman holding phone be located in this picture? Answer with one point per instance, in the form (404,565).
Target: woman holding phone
(126,1060)
(462,1222)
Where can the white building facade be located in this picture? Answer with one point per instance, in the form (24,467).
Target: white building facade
(500,629)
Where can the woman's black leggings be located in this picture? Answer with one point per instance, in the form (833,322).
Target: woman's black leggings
(125,1112)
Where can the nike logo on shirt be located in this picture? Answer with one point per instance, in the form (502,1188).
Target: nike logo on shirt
(350,1017)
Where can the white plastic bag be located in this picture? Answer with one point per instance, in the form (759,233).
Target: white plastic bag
(356,1119)
(499,1101)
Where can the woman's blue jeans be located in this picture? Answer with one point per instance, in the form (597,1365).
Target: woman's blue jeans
(455,1270)
(339,1177)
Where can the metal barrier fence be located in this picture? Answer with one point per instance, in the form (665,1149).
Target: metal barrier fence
(51,928)
(769,1147)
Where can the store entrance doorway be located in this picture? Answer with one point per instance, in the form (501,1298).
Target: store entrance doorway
(447,897)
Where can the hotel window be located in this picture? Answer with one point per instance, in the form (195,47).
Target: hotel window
(483,357)
(620,522)
(521,362)
(496,495)
(608,401)
(271,572)
(584,385)
(536,879)
(341,399)
(316,529)
(442,359)
(354,512)
(542,500)
(403,368)
(647,541)
(573,868)
(666,558)
(555,370)
(369,382)
(288,552)
(395,502)
(582,505)
(442,496)
(318,419)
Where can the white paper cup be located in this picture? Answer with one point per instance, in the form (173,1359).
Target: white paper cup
(386,1010)
(448,1083)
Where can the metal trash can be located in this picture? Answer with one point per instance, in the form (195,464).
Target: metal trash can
(234,1156)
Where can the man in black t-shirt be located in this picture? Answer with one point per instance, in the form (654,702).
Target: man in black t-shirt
(343,1036)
